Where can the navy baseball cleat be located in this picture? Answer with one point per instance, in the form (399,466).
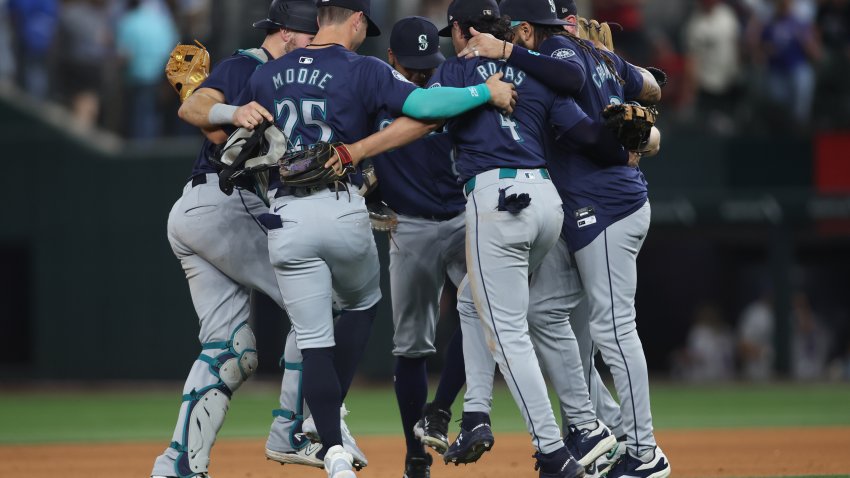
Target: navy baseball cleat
(418,466)
(558,464)
(470,443)
(628,466)
(588,445)
(433,428)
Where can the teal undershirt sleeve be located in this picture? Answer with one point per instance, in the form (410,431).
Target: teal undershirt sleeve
(444,102)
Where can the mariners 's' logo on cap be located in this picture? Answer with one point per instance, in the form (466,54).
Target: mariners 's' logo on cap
(552,6)
(423,42)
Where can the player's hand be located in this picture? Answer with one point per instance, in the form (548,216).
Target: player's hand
(251,115)
(502,94)
(336,164)
(486,45)
(634,159)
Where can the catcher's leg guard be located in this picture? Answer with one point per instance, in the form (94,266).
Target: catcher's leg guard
(285,434)
(205,408)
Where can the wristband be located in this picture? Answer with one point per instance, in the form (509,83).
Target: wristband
(221,113)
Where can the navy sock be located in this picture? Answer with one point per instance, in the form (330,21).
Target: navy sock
(411,391)
(321,391)
(472,419)
(351,335)
(453,377)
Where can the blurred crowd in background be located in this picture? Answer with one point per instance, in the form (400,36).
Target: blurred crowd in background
(735,66)
(716,351)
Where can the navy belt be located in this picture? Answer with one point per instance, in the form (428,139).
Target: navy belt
(504,173)
(306,191)
(199,179)
(438,217)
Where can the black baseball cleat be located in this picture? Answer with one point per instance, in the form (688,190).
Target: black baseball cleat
(418,466)
(470,444)
(558,464)
(433,428)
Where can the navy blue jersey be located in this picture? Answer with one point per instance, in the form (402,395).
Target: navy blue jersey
(485,138)
(327,94)
(230,76)
(420,179)
(594,196)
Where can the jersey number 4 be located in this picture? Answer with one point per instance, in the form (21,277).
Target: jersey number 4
(309,113)
(510,124)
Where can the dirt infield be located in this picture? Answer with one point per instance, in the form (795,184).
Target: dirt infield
(702,453)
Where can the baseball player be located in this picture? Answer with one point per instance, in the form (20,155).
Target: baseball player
(202,227)
(608,218)
(320,240)
(419,183)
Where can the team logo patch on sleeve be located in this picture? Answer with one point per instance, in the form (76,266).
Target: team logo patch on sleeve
(563,53)
(398,76)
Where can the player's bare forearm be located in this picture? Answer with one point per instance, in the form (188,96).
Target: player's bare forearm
(401,132)
(196,109)
(651,92)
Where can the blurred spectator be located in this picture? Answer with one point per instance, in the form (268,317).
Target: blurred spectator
(145,37)
(811,342)
(710,348)
(629,40)
(839,369)
(712,40)
(84,41)
(833,92)
(34,23)
(666,57)
(7,56)
(755,339)
(790,47)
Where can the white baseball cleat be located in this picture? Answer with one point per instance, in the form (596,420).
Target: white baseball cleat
(309,429)
(339,463)
(305,456)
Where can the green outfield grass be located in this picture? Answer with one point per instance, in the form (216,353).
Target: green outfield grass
(42,417)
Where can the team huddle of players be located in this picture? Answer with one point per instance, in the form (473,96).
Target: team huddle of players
(503,178)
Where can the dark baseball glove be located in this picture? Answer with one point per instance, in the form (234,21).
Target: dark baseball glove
(658,74)
(307,169)
(630,123)
(382,217)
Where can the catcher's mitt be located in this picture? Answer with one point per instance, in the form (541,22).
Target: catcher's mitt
(187,68)
(630,123)
(596,32)
(382,217)
(250,153)
(307,168)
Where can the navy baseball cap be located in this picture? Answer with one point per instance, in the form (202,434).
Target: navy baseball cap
(357,6)
(298,15)
(462,10)
(540,12)
(415,43)
(565,8)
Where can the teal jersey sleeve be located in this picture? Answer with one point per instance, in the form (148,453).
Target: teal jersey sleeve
(444,102)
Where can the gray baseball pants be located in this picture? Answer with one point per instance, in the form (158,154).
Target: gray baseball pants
(608,269)
(501,249)
(224,253)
